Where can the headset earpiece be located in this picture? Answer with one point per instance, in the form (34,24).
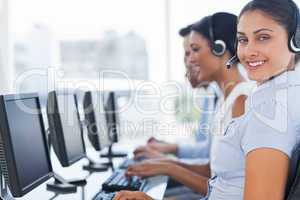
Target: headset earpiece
(218,46)
(294,41)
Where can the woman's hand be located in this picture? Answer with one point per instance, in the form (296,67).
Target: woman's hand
(163,147)
(149,168)
(153,139)
(146,152)
(129,195)
(185,176)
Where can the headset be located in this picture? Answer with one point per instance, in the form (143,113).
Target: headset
(218,46)
(294,37)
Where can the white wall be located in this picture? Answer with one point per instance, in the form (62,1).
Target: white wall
(6,65)
(166,62)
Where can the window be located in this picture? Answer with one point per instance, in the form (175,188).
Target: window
(83,38)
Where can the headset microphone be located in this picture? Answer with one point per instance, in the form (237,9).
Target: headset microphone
(232,61)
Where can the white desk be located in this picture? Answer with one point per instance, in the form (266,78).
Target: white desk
(155,188)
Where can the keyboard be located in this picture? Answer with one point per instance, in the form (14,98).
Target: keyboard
(104,196)
(118,181)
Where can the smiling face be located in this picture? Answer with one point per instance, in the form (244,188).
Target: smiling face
(262,46)
(203,64)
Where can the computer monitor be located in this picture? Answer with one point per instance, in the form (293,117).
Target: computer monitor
(66,132)
(112,118)
(24,156)
(95,119)
(65,129)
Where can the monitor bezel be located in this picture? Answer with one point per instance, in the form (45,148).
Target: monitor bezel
(114,134)
(62,147)
(88,96)
(14,182)
(91,95)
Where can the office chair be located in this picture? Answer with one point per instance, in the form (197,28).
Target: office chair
(293,182)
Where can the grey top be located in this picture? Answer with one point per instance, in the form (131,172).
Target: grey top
(272,120)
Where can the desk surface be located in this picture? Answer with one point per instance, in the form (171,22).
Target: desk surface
(155,188)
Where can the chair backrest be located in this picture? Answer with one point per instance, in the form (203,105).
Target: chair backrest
(293,182)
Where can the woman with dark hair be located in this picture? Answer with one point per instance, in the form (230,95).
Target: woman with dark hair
(268,41)
(210,51)
(252,157)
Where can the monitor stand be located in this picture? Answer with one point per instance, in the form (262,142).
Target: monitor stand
(96,167)
(5,192)
(112,154)
(93,166)
(62,186)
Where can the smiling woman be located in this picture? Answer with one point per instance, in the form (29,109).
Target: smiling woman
(264,138)
(262,40)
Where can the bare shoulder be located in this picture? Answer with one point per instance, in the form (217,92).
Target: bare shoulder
(238,107)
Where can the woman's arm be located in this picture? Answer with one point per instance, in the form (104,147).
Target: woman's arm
(266,174)
(154,149)
(190,179)
(132,195)
(203,170)
(186,177)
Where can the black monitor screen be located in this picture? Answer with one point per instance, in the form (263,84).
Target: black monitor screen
(71,127)
(27,140)
(112,116)
(101,124)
